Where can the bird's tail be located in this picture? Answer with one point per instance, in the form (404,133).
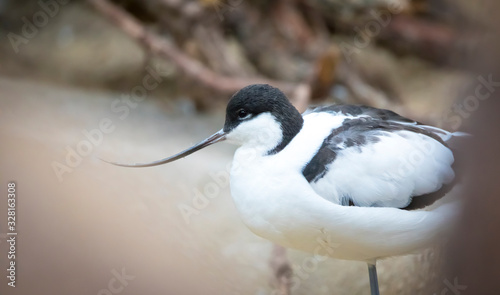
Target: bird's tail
(460,133)
(445,135)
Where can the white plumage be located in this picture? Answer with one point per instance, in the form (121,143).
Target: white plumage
(340,181)
(277,203)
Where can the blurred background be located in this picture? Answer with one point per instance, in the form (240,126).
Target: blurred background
(134,81)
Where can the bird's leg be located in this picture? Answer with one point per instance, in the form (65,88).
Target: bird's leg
(372,272)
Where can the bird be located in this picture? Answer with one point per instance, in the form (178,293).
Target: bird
(344,181)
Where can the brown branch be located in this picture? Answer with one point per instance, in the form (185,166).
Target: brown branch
(192,68)
(430,40)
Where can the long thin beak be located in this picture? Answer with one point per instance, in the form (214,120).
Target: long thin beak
(219,136)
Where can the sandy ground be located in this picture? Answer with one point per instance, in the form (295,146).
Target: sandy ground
(79,231)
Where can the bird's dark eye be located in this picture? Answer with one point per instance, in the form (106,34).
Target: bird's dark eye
(242,114)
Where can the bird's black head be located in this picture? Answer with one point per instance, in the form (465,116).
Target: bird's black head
(258,115)
(254,101)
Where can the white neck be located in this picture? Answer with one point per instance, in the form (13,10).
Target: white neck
(258,135)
